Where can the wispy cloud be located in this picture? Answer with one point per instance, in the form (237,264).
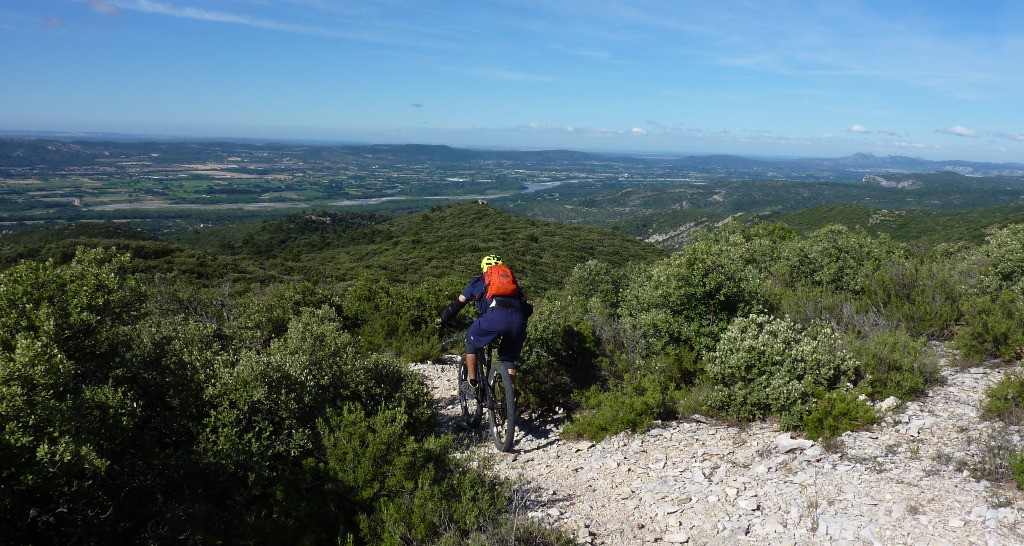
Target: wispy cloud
(858,128)
(1017,137)
(417,105)
(500,74)
(104,7)
(958,130)
(365,23)
(151,6)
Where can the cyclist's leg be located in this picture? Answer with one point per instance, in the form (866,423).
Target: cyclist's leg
(512,340)
(480,333)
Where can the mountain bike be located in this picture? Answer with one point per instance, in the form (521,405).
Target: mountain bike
(495,396)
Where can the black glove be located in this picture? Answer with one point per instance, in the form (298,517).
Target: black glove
(449,312)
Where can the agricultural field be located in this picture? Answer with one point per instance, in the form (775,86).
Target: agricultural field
(173,186)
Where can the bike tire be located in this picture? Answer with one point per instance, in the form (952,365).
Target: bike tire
(501,408)
(469,401)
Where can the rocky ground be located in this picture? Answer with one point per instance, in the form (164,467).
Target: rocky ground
(929,473)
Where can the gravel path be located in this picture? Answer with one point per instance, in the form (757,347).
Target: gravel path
(917,478)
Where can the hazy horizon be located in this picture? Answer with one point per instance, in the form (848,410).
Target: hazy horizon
(128,137)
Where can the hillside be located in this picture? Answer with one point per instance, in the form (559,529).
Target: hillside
(926,227)
(434,244)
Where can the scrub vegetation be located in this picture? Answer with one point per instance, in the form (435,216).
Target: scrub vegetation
(248,384)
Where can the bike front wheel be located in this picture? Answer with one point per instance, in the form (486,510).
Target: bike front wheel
(469,400)
(501,409)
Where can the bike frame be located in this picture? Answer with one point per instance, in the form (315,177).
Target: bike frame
(495,396)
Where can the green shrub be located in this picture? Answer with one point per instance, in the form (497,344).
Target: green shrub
(769,366)
(386,488)
(628,405)
(1017,468)
(847,312)
(998,264)
(266,404)
(921,295)
(593,286)
(1004,400)
(894,364)
(836,413)
(204,417)
(560,356)
(688,299)
(394,318)
(991,327)
(836,258)
(263,313)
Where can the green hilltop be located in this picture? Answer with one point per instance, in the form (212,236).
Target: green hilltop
(433,244)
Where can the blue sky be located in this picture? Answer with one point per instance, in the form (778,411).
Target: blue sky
(934,79)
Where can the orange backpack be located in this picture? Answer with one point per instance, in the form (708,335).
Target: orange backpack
(500,282)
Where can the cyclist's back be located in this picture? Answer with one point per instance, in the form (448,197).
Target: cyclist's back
(503,314)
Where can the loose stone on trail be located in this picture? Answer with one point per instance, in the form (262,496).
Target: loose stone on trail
(906,481)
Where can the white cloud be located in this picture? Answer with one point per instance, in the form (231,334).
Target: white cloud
(637,131)
(958,130)
(858,128)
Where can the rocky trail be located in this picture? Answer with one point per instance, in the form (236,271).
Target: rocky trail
(918,477)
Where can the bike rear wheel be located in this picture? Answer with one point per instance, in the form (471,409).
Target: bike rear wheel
(469,400)
(501,408)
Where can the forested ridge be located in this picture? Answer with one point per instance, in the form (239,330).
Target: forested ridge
(248,384)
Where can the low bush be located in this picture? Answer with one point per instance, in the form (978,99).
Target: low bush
(687,300)
(628,405)
(846,312)
(995,458)
(1004,400)
(998,264)
(894,364)
(390,489)
(560,356)
(398,319)
(766,366)
(991,327)
(838,412)
(836,258)
(920,295)
(1017,468)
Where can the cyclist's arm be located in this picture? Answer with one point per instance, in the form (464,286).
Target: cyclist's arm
(452,309)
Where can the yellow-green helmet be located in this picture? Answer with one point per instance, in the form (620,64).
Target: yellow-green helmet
(489,260)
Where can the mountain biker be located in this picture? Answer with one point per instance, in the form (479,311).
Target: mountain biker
(500,316)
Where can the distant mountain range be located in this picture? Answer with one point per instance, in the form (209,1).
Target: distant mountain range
(74,150)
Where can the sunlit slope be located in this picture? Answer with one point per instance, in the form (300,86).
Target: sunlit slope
(919,226)
(432,244)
